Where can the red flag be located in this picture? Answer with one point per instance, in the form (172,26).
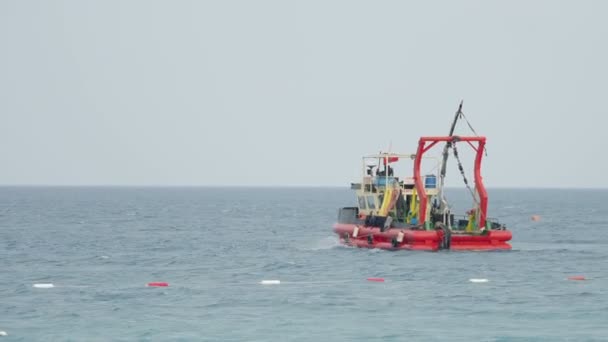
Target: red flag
(390,159)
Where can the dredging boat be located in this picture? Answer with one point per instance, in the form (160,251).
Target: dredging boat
(412,213)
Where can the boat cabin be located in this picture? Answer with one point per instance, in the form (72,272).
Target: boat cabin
(387,190)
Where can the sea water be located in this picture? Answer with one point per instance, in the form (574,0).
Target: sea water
(99,247)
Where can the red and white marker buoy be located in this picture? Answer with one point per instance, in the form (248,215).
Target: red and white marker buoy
(478,280)
(377,280)
(157,284)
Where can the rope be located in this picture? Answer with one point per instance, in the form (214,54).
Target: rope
(468,123)
(464,177)
(472,129)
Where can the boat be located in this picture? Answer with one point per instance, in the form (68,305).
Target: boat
(412,212)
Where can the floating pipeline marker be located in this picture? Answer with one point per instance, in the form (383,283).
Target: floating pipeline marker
(577,278)
(377,280)
(475,280)
(43,286)
(270,282)
(157,284)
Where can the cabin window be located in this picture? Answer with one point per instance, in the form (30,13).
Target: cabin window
(371,203)
(362,202)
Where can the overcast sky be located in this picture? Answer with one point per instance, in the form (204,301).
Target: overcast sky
(295,92)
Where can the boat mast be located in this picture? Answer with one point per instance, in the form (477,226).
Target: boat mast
(444,203)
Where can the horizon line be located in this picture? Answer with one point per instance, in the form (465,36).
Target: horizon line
(515,187)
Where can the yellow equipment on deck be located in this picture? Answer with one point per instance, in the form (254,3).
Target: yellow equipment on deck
(413,207)
(386,202)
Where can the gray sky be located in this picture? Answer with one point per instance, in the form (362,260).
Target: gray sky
(293,93)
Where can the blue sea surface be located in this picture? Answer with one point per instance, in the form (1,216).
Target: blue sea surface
(100,246)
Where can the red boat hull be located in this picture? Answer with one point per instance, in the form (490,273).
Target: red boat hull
(422,240)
